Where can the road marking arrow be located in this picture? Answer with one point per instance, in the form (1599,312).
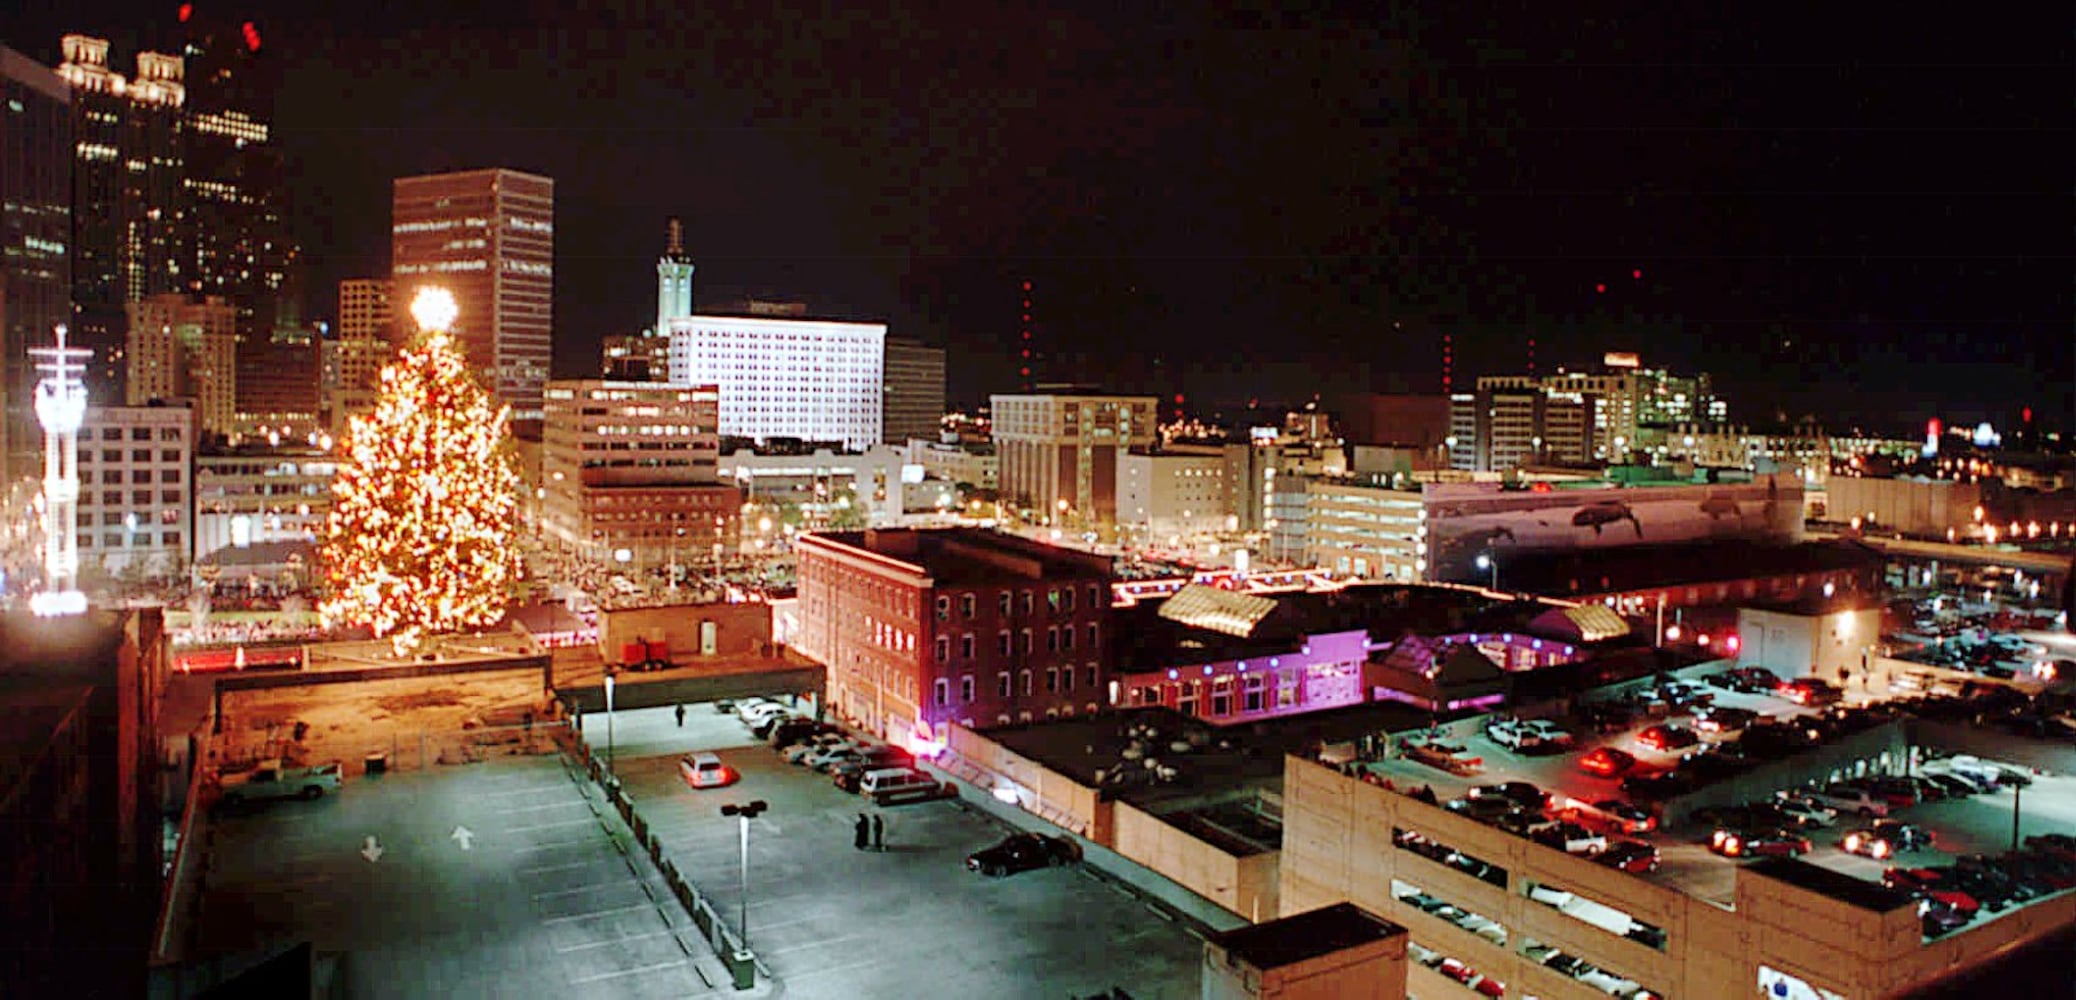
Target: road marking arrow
(463,836)
(371,850)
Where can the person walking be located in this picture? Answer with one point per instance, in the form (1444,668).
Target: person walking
(879,832)
(681,716)
(863,831)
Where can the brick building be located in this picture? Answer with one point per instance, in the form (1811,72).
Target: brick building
(923,628)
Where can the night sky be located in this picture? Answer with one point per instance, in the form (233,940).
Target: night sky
(1865,216)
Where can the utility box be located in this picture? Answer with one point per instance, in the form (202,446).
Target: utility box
(1338,952)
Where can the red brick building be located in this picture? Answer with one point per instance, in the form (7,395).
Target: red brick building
(922,628)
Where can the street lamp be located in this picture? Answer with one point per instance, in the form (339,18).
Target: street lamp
(745,812)
(609,720)
(1486,562)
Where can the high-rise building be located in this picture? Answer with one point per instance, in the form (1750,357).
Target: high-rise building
(1058,450)
(179,348)
(914,404)
(129,215)
(815,380)
(629,473)
(35,232)
(238,243)
(257,494)
(673,279)
(363,342)
(488,236)
(636,357)
(921,629)
(135,504)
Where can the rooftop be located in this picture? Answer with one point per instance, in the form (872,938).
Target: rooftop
(1828,882)
(1315,933)
(970,556)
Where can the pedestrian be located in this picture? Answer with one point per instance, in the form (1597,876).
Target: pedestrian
(681,716)
(879,833)
(864,833)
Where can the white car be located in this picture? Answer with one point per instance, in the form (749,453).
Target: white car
(1522,734)
(801,753)
(756,710)
(1484,927)
(1804,810)
(1858,801)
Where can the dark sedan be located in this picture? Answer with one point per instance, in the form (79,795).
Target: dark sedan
(1021,852)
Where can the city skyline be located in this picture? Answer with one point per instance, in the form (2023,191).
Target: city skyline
(1807,215)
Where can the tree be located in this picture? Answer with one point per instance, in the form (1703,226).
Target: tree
(426,498)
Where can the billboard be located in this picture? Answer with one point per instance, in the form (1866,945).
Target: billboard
(1467,520)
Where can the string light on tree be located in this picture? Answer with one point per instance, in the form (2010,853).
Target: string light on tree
(420,539)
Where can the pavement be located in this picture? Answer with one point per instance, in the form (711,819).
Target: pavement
(538,898)
(830,921)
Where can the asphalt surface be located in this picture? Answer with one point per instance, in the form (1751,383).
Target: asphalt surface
(540,903)
(831,921)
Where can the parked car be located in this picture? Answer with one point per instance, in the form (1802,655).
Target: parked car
(848,774)
(1846,799)
(831,758)
(273,780)
(1666,739)
(1520,793)
(1522,735)
(1748,680)
(1685,696)
(1606,762)
(1758,843)
(1022,852)
(1658,786)
(1571,838)
(1613,814)
(1804,810)
(800,753)
(1605,716)
(794,728)
(1444,756)
(1724,719)
(1884,839)
(1811,691)
(903,784)
(705,770)
(1630,856)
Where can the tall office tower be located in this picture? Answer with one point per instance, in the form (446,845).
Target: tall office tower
(238,245)
(1059,451)
(673,279)
(35,230)
(914,405)
(816,380)
(128,200)
(179,348)
(489,237)
(361,345)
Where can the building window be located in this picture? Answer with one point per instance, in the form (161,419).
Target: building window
(1052,598)
(1026,681)
(966,646)
(1067,679)
(1095,596)
(1067,638)
(940,691)
(1066,598)
(1091,676)
(1003,603)
(943,648)
(1221,698)
(1052,680)
(1002,684)
(1027,642)
(966,689)
(966,605)
(943,609)
(1030,603)
(1093,645)
(1254,687)
(1052,638)
(1002,642)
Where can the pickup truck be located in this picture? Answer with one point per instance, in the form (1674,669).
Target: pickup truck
(273,781)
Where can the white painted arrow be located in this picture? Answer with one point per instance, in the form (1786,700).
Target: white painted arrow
(463,836)
(371,850)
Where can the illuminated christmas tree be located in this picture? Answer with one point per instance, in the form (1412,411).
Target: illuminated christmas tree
(426,498)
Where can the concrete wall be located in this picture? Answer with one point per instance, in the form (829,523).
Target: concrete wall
(1374,971)
(739,629)
(1911,506)
(1059,799)
(1246,884)
(1796,645)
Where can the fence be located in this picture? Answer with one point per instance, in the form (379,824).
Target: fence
(240,747)
(741,963)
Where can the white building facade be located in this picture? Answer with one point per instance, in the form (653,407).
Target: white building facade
(136,503)
(1170,498)
(258,496)
(815,380)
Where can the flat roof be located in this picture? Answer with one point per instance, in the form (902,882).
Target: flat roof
(1304,936)
(961,556)
(1835,884)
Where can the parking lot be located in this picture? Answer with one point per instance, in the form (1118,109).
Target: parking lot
(1975,824)
(504,878)
(829,921)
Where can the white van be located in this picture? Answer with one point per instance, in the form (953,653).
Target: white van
(901,784)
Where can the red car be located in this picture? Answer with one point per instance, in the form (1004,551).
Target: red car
(1630,856)
(1758,843)
(1667,738)
(1911,878)
(1606,762)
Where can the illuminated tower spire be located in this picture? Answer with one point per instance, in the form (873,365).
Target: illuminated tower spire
(61,402)
(673,278)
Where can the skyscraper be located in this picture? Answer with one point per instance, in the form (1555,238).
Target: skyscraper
(35,230)
(128,214)
(181,348)
(489,237)
(365,341)
(914,406)
(236,234)
(811,379)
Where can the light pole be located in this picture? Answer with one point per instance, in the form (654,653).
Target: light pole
(745,812)
(1486,562)
(609,721)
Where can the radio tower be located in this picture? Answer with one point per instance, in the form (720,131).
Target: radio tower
(60,407)
(1023,368)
